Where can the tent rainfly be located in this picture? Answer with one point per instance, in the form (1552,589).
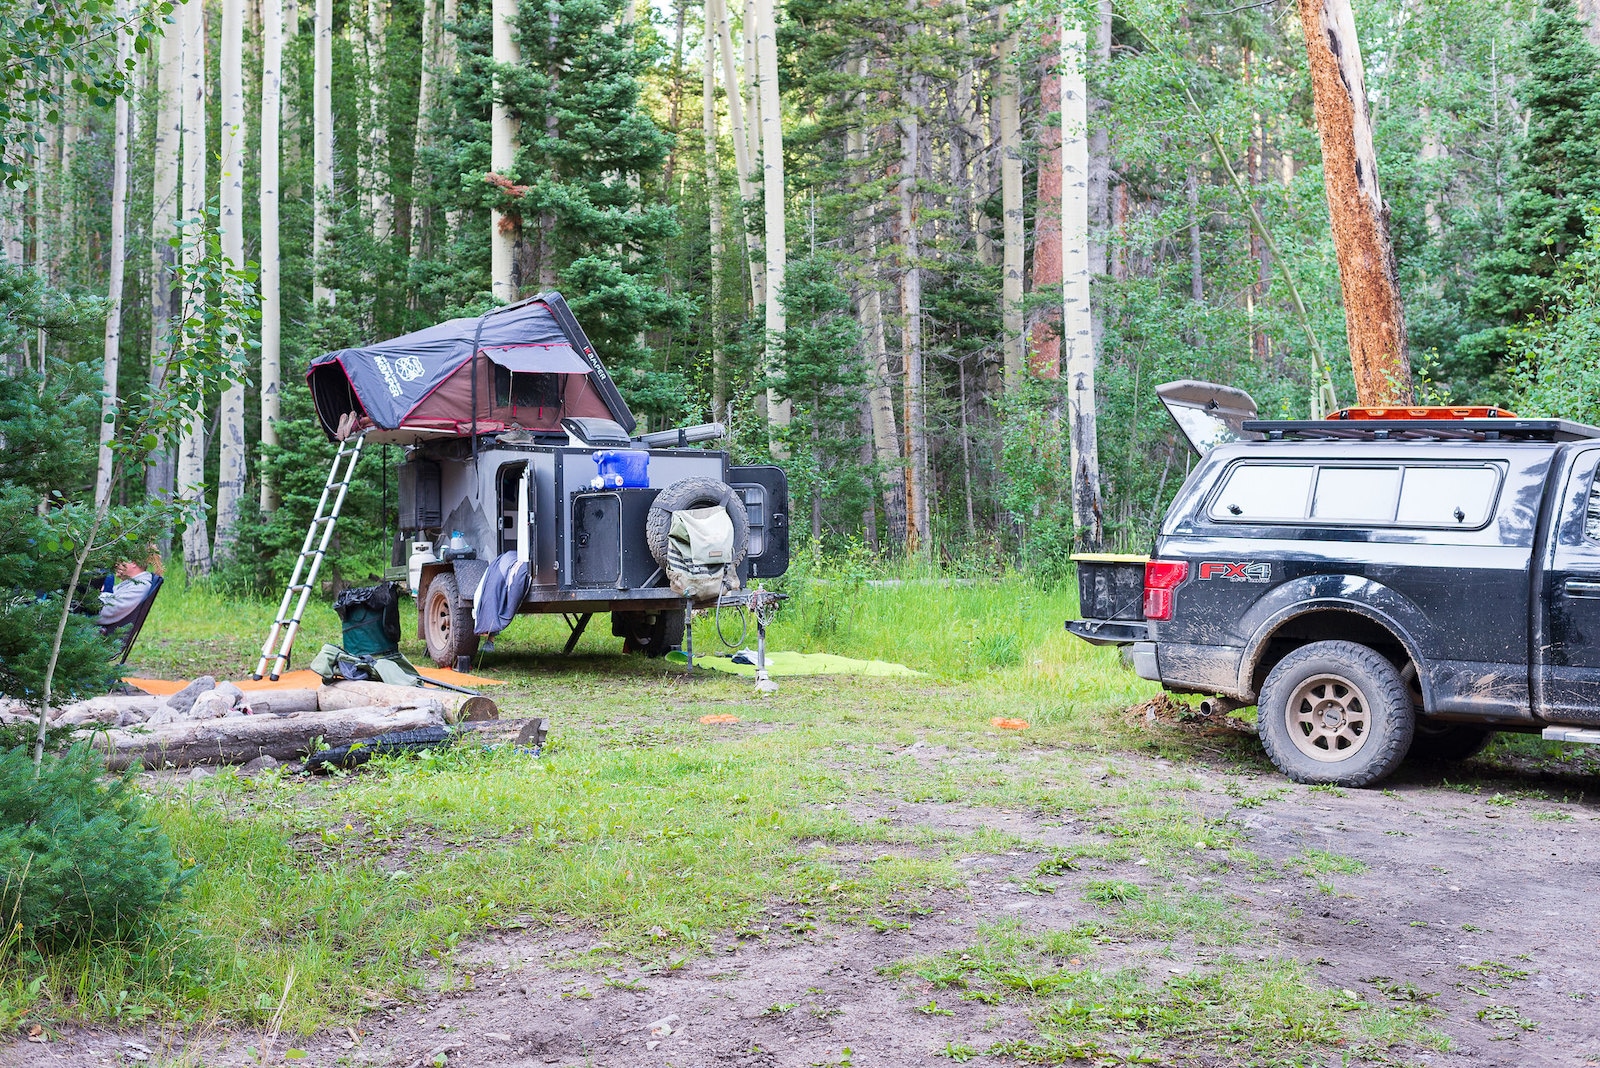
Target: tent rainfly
(523,366)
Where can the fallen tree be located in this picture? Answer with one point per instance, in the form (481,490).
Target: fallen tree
(241,739)
(458,707)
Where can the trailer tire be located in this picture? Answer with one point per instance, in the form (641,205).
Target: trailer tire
(447,621)
(696,493)
(1336,713)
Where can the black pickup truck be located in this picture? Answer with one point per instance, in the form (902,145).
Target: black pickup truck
(1380,583)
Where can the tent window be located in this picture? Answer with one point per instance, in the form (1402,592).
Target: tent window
(522,390)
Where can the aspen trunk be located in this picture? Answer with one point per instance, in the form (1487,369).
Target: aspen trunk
(449,60)
(1197,278)
(119,249)
(916,471)
(271,275)
(428,78)
(322,149)
(159,473)
(772,187)
(1044,342)
(1099,188)
(502,157)
(380,202)
(744,159)
(1013,235)
(1374,315)
(191,445)
(231,448)
(1077,321)
(709,138)
(1589,12)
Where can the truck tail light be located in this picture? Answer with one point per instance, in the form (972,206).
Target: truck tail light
(1161,577)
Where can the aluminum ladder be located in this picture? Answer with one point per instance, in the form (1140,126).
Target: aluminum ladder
(318,534)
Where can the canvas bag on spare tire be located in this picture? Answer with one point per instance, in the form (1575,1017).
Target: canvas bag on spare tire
(700,552)
(698,581)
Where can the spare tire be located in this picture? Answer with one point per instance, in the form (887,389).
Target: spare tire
(689,493)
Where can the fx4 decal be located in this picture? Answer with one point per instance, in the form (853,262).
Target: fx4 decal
(1236,572)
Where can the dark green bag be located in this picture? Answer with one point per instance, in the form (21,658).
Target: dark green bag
(371,617)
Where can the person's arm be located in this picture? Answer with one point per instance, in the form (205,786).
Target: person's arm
(122,600)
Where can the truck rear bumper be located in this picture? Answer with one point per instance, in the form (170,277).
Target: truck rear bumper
(1108,631)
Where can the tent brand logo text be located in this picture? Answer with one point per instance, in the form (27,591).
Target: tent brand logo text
(406,367)
(1236,572)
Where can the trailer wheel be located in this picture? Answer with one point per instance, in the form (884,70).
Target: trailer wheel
(655,634)
(447,622)
(695,493)
(1337,713)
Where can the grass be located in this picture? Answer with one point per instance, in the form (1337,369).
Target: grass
(668,838)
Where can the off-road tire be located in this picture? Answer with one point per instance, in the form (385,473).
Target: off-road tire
(1319,692)
(695,493)
(447,622)
(1448,743)
(655,634)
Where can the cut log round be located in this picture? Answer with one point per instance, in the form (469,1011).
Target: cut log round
(458,707)
(281,702)
(241,739)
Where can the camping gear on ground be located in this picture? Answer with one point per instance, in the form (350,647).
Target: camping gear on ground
(286,626)
(759,603)
(631,465)
(781,663)
(371,619)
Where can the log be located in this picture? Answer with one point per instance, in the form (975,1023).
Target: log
(280,702)
(241,739)
(458,707)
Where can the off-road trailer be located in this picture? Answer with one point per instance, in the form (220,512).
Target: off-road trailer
(500,417)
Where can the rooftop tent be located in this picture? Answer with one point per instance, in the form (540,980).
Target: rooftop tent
(526,365)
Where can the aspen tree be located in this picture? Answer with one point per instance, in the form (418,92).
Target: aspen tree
(709,138)
(1375,319)
(230,427)
(165,182)
(743,158)
(321,148)
(918,510)
(1013,234)
(502,154)
(192,442)
(119,247)
(271,307)
(428,77)
(772,185)
(380,202)
(1077,326)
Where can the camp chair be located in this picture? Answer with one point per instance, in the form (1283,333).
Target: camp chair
(129,628)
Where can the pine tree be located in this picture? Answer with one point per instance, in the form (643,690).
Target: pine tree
(1557,175)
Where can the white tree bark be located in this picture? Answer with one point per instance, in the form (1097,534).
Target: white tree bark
(119,255)
(1077,327)
(743,158)
(271,305)
(1013,237)
(428,80)
(773,196)
(164,184)
(709,140)
(231,448)
(380,202)
(502,155)
(321,148)
(918,511)
(449,60)
(191,445)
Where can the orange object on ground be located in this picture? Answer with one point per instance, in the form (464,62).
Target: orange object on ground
(304,679)
(720,717)
(1007,724)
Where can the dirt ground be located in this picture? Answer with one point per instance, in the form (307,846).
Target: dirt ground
(1477,899)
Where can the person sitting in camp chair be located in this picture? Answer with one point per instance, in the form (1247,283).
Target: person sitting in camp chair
(134,583)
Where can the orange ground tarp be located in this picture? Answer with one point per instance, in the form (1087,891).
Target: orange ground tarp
(304,680)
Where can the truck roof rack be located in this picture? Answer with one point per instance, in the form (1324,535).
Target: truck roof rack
(1497,428)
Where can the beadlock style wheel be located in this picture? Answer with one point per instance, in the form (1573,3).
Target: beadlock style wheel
(1328,718)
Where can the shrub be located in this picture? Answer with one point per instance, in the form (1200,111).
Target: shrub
(79,858)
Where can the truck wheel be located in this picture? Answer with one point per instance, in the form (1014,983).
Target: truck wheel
(1448,742)
(695,493)
(447,622)
(1335,712)
(655,634)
